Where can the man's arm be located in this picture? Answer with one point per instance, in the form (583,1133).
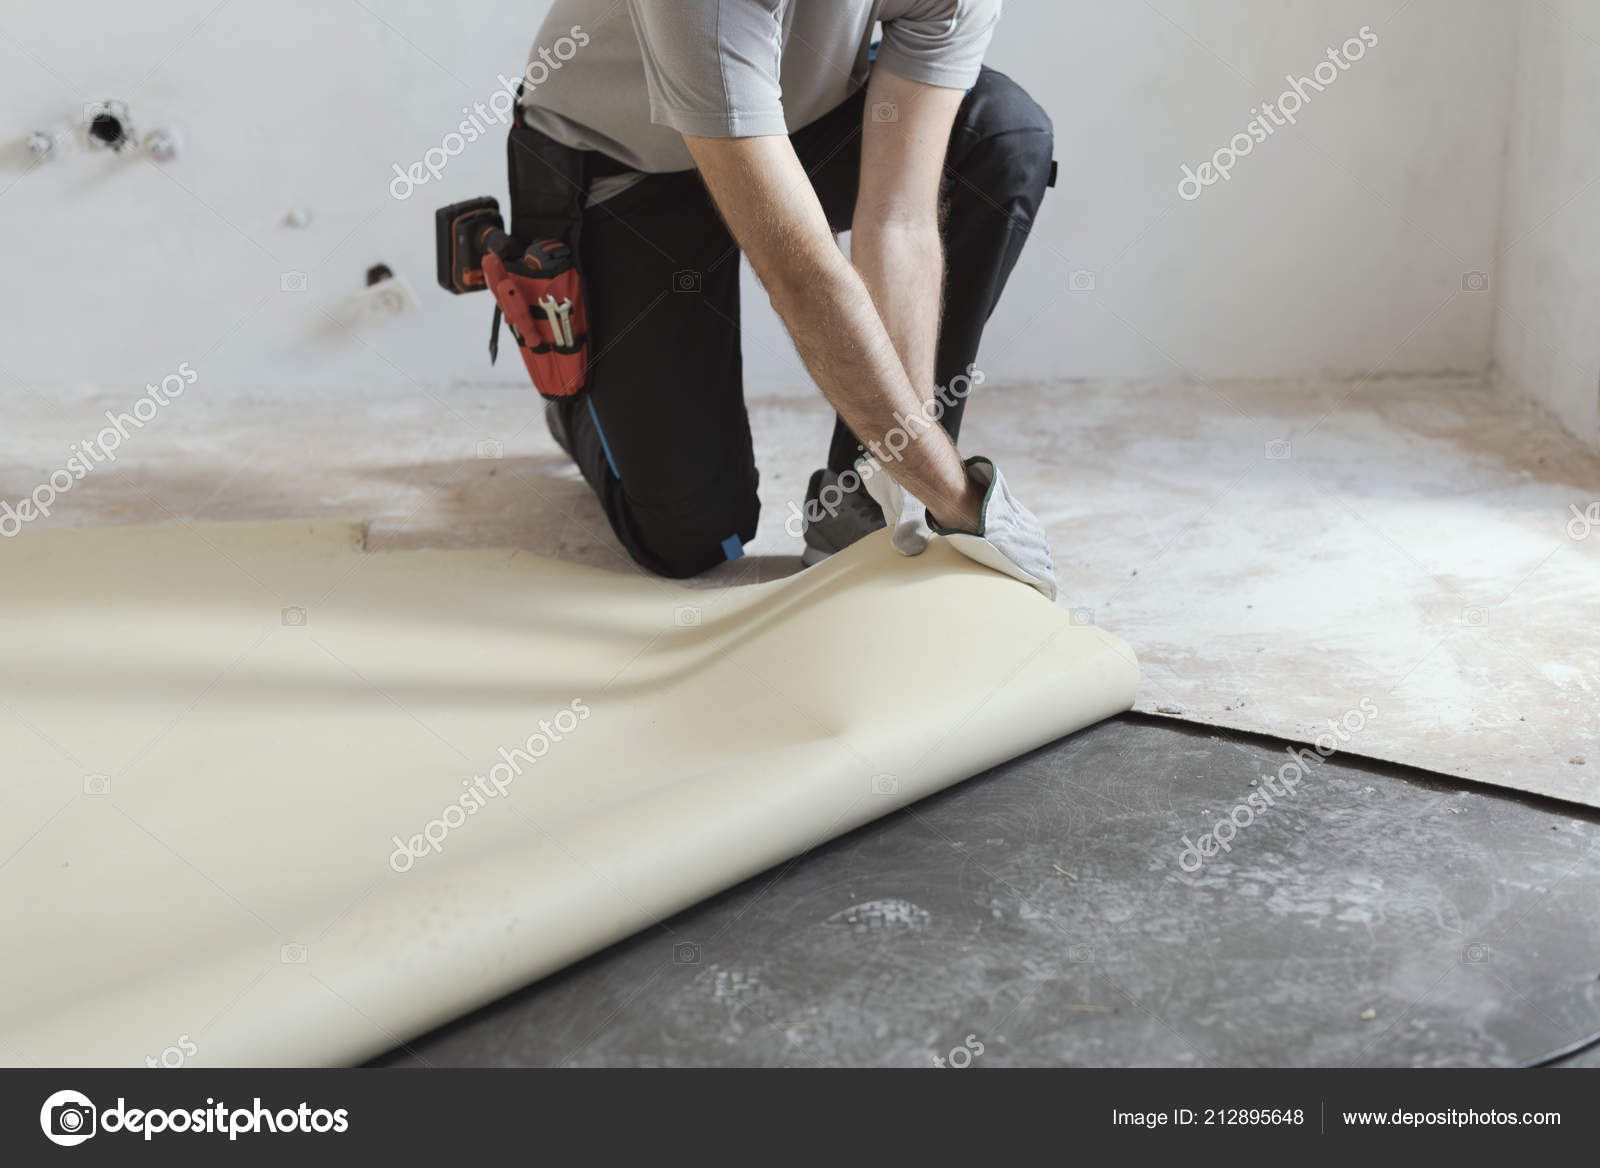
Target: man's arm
(894,238)
(770,207)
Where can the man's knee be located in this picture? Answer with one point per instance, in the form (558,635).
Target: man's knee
(682,542)
(998,105)
(1004,139)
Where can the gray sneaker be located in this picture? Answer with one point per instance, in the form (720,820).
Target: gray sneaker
(835,518)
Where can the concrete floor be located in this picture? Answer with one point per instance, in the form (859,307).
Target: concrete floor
(1380,916)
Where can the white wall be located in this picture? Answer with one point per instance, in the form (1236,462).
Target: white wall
(1336,248)
(1547,336)
(1338,245)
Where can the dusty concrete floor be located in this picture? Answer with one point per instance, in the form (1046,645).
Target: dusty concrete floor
(1379,917)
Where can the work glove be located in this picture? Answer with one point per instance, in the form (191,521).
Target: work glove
(902,511)
(1009,538)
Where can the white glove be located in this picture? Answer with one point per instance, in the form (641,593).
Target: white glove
(1010,538)
(902,511)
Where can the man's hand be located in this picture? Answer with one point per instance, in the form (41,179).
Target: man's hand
(1008,538)
(772,211)
(903,512)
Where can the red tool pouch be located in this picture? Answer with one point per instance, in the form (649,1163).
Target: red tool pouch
(541,297)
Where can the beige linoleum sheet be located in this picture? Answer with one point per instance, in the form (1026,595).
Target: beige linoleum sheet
(232,751)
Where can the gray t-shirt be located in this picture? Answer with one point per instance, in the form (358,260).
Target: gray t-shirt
(626,77)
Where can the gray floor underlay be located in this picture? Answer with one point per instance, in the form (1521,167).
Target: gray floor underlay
(1378,916)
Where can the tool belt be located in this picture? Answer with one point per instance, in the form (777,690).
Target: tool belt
(532,270)
(538,288)
(540,295)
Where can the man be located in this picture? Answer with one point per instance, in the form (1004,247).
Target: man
(712,127)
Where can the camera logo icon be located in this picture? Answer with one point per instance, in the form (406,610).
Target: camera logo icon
(885,784)
(1475,281)
(97,784)
(1081,281)
(686,280)
(1475,618)
(293,282)
(1279,449)
(292,954)
(67,1118)
(1082,616)
(490,448)
(686,616)
(686,953)
(885,111)
(293,617)
(1081,954)
(1475,953)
